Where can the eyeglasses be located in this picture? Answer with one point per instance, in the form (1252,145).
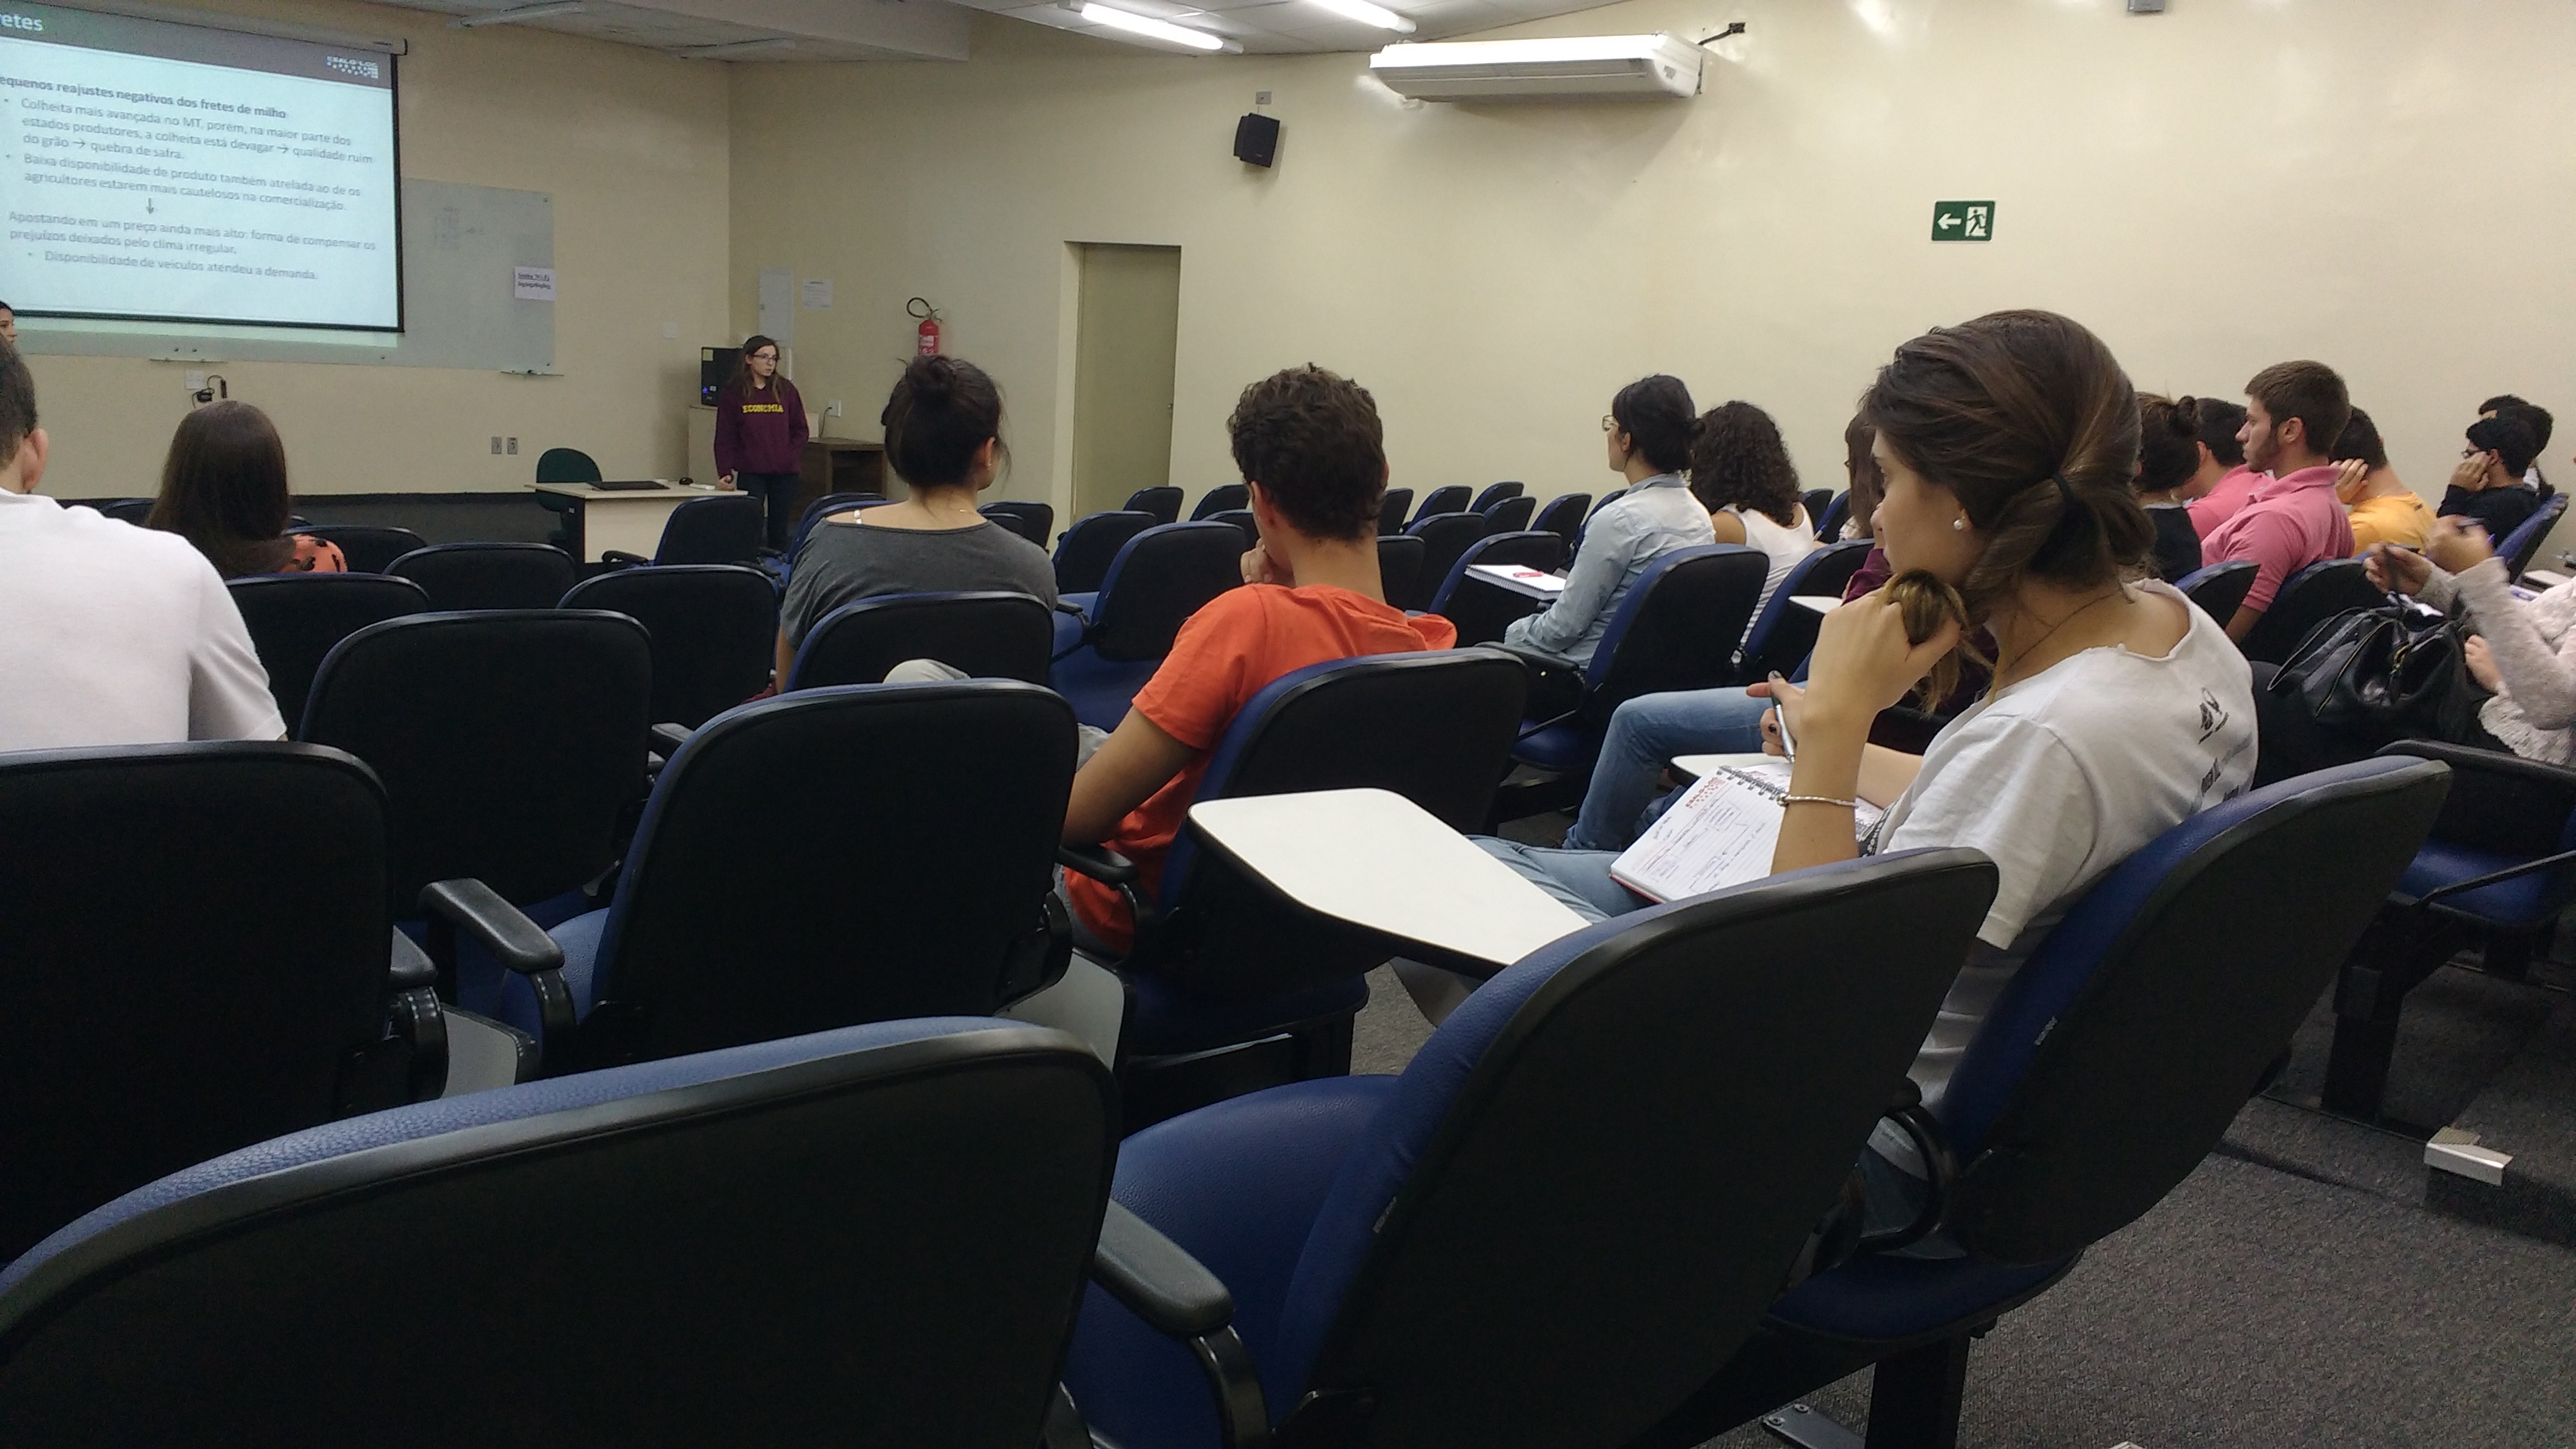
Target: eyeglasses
(1609,424)
(764,357)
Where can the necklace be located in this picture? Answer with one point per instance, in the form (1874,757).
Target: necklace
(2002,671)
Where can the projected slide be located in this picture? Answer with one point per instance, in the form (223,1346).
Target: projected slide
(183,173)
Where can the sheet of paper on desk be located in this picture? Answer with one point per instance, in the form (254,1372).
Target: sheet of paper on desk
(1720,833)
(1526,577)
(1821,603)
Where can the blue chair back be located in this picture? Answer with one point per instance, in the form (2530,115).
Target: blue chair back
(1677,626)
(1435,727)
(1224,498)
(1084,554)
(1391,509)
(907,1211)
(1563,516)
(1032,521)
(784,880)
(1785,631)
(988,635)
(1446,537)
(2308,598)
(1829,524)
(714,630)
(1493,494)
(1163,502)
(1786,1010)
(2123,1047)
(2220,588)
(1509,515)
(2523,544)
(1158,580)
(1530,548)
(1451,499)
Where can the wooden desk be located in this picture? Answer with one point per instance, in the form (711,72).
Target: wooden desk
(628,520)
(839,465)
(1382,863)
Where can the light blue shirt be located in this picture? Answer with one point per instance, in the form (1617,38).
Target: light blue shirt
(1652,519)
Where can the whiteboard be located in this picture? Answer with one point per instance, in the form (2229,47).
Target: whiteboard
(461,247)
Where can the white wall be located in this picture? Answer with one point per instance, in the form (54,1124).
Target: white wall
(2383,184)
(633,147)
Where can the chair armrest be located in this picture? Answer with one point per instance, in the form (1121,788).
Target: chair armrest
(1940,1164)
(668,736)
(1157,1279)
(2557,778)
(414,1017)
(519,943)
(1098,862)
(1177,1296)
(618,559)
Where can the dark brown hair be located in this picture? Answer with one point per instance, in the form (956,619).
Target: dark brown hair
(17,403)
(741,383)
(2219,422)
(2360,441)
(223,488)
(1656,414)
(1737,458)
(2308,391)
(2168,442)
(1313,441)
(1868,482)
(941,410)
(2027,420)
(2509,438)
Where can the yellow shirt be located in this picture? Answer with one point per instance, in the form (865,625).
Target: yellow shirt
(2400,518)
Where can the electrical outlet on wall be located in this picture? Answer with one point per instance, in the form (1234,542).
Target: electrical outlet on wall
(514,447)
(496,445)
(832,409)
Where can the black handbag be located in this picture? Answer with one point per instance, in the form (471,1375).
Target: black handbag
(2374,676)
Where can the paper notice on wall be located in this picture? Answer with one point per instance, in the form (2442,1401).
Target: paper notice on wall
(532,284)
(818,294)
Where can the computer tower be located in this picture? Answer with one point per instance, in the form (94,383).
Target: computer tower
(716,367)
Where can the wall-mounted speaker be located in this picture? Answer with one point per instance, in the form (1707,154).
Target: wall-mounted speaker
(1256,139)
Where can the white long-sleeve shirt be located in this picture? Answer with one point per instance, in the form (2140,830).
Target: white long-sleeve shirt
(1652,519)
(2534,645)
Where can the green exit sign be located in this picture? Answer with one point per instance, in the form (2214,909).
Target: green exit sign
(1963,221)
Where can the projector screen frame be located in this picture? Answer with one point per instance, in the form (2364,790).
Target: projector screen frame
(393,49)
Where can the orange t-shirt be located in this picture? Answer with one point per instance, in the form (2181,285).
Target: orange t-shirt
(1229,651)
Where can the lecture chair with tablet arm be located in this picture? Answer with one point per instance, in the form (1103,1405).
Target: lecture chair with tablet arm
(2071,1114)
(1108,643)
(296,620)
(1515,1244)
(906,1212)
(779,880)
(1481,611)
(512,748)
(240,979)
(1230,986)
(987,635)
(1676,628)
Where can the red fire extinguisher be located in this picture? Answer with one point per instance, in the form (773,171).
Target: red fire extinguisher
(929,330)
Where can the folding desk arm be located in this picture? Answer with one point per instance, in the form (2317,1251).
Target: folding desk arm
(1940,1165)
(1178,1297)
(413,1014)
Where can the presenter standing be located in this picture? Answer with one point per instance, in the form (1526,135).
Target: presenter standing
(760,435)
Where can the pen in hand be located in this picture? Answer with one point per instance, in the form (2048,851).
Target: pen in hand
(1780,714)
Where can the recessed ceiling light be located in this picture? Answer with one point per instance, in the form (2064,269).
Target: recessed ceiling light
(1152,29)
(1367,14)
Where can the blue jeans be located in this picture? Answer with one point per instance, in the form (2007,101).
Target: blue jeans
(1645,733)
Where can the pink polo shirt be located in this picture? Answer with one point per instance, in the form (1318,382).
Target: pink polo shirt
(2290,523)
(2225,500)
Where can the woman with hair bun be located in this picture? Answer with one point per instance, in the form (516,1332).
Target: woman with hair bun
(943,438)
(2168,468)
(2117,709)
(1650,428)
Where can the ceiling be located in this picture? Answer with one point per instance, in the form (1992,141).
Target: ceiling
(839,30)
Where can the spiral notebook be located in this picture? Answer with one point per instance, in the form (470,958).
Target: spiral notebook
(1720,833)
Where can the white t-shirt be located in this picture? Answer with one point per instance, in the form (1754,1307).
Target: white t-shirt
(117,635)
(1784,544)
(2057,779)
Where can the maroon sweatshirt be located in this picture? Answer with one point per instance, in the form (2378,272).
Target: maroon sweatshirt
(764,433)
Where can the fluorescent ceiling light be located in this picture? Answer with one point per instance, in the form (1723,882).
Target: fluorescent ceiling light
(524,12)
(734,48)
(1367,14)
(1152,29)
(1514,52)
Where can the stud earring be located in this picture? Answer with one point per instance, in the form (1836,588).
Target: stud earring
(1959,524)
